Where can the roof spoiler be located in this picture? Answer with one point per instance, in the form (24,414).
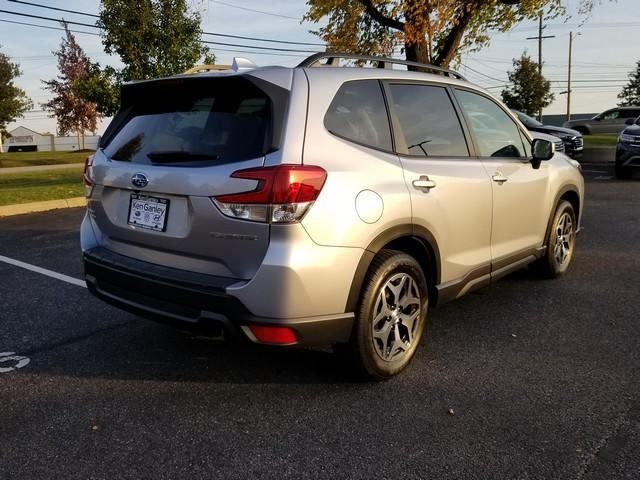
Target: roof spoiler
(239,65)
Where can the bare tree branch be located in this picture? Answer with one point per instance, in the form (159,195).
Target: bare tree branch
(380,17)
(448,46)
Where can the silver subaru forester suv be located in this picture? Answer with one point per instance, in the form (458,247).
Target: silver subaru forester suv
(326,204)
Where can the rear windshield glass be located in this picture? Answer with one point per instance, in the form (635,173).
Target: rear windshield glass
(199,121)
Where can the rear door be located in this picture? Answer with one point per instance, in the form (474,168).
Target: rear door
(450,190)
(518,224)
(172,147)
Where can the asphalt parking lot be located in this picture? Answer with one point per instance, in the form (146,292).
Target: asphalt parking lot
(526,379)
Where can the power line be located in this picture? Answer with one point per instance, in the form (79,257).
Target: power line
(263,39)
(55,8)
(254,10)
(583,25)
(39,17)
(77,12)
(482,74)
(47,27)
(260,53)
(257,47)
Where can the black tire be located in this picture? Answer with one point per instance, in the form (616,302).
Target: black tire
(364,352)
(558,245)
(582,130)
(623,173)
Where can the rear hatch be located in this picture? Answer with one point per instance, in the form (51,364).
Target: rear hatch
(174,145)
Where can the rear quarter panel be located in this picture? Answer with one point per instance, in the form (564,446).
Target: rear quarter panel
(356,173)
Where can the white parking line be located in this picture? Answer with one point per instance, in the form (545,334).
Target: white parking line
(44,271)
(594,171)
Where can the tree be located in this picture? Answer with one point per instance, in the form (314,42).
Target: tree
(101,86)
(529,92)
(431,31)
(154,38)
(73,113)
(630,94)
(13,101)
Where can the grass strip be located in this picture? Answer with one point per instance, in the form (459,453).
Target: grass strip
(600,140)
(29,159)
(39,186)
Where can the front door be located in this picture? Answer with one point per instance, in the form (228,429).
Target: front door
(518,224)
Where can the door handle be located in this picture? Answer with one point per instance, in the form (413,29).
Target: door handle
(499,178)
(423,183)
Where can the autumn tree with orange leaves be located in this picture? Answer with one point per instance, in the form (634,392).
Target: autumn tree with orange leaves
(72,112)
(427,31)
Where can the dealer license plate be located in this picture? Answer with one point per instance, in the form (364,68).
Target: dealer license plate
(148,212)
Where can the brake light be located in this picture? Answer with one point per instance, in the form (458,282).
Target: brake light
(87,176)
(284,193)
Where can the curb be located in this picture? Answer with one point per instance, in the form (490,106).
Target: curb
(22,208)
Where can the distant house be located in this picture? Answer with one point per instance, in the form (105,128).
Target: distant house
(23,139)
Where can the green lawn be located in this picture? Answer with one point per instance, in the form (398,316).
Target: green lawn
(600,140)
(27,159)
(43,185)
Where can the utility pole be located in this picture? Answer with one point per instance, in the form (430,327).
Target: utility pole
(569,78)
(540,38)
(571,35)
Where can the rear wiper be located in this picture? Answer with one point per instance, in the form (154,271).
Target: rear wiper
(179,156)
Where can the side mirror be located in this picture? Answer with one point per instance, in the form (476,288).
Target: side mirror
(629,121)
(541,150)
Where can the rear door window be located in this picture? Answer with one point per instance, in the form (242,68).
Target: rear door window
(428,121)
(193,122)
(358,113)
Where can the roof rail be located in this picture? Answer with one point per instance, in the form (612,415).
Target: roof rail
(382,62)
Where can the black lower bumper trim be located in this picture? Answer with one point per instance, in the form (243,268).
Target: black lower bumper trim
(183,298)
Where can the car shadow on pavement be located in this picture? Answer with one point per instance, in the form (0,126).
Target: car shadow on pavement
(132,348)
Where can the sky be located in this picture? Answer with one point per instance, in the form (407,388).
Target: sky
(604,52)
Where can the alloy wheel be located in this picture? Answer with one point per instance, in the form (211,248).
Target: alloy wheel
(564,239)
(396,317)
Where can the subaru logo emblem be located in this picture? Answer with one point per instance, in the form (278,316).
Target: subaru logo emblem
(139,180)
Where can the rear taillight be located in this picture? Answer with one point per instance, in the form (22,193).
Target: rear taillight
(87,176)
(283,194)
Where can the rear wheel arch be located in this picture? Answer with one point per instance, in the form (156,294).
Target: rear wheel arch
(411,239)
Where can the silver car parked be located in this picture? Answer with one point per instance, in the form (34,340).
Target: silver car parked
(306,205)
(610,121)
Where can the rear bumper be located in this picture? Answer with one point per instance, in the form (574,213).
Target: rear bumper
(183,298)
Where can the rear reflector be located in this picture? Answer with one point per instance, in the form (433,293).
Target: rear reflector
(273,335)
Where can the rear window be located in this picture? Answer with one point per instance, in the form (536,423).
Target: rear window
(193,121)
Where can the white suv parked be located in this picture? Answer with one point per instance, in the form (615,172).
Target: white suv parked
(307,205)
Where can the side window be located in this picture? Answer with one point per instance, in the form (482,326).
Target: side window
(612,115)
(628,113)
(428,121)
(496,133)
(358,113)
